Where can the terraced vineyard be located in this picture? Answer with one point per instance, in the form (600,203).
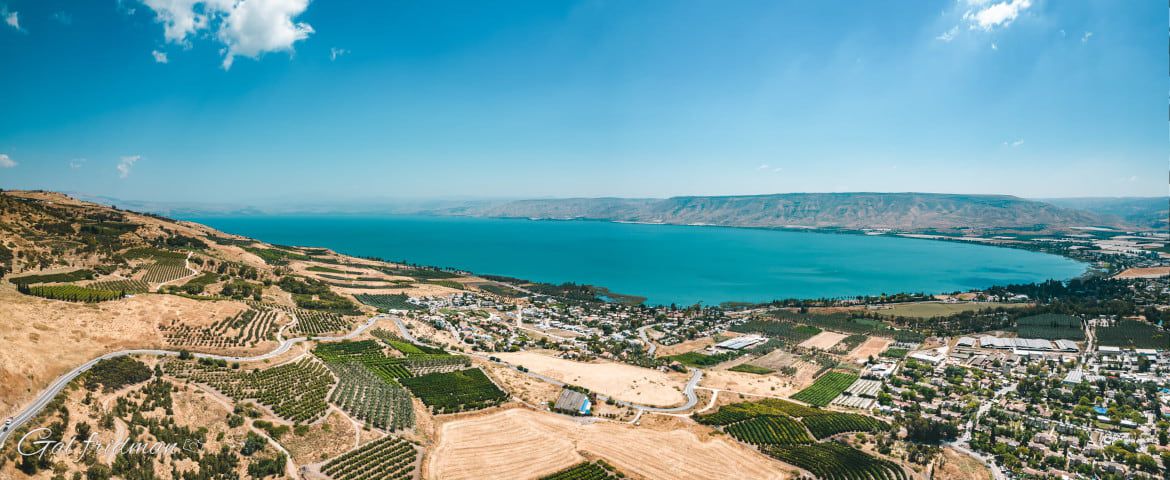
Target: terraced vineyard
(245,329)
(294,391)
(770,430)
(737,412)
(836,461)
(389,458)
(585,471)
(452,392)
(128,286)
(370,398)
(69,293)
(824,426)
(826,388)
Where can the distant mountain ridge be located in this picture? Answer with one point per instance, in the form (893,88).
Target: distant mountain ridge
(906,212)
(896,211)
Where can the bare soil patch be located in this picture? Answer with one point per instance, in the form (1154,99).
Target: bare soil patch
(824,340)
(621,381)
(870,348)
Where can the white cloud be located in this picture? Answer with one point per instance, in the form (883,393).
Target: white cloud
(247,28)
(948,35)
(11,18)
(1014,143)
(6,161)
(763,166)
(987,15)
(337,52)
(994,46)
(126,164)
(159,57)
(1086,36)
(76,163)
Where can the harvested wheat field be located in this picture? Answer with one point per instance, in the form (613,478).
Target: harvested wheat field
(618,380)
(523,444)
(824,340)
(1151,272)
(871,347)
(750,383)
(62,335)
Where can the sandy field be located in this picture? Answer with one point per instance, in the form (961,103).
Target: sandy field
(621,381)
(773,385)
(870,348)
(62,335)
(953,465)
(684,347)
(824,340)
(326,439)
(1152,272)
(523,444)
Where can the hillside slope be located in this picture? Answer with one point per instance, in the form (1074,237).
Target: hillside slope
(899,211)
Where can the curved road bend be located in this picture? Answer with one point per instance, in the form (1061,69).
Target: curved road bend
(59,384)
(689,391)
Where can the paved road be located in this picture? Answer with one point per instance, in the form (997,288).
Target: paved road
(961,444)
(645,339)
(55,388)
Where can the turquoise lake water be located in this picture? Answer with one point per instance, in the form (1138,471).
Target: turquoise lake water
(666,263)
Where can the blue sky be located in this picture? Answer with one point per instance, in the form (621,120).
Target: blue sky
(184,100)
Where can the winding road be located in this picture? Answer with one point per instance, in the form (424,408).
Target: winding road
(61,382)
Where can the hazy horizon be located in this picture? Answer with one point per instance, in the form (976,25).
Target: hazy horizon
(330,101)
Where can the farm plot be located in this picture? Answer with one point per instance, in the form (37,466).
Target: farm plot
(769,430)
(69,293)
(825,426)
(389,458)
(737,412)
(824,340)
(128,286)
(368,397)
(245,329)
(457,391)
(387,302)
(311,322)
(1050,326)
(585,471)
(294,391)
(1133,334)
(826,388)
(166,269)
(836,461)
(749,368)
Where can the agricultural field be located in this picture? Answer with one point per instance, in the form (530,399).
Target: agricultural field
(737,412)
(69,293)
(895,352)
(585,471)
(940,309)
(522,443)
(823,341)
(618,380)
(165,271)
(244,329)
(749,368)
(294,391)
(368,397)
(1050,326)
(1133,334)
(836,461)
(387,301)
(785,331)
(825,426)
(696,359)
(770,430)
(310,322)
(826,388)
(128,286)
(390,458)
(456,391)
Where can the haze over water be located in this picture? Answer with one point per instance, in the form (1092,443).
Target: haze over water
(665,263)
